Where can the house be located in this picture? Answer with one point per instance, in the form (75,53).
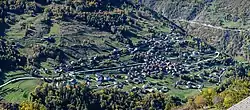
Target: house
(145,86)
(189,86)
(73,81)
(115,51)
(120,86)
(97,74)
(72,62)
(107,78)
(200,86)
(49,39)
(64,83)
(88,83)
(72,74)
(98,83)
(99,78)
(86,77)
(164,89)
(134,89)
(150,90)
(47,80)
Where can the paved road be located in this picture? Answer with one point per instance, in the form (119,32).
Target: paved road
(112,68)
(78,72)
(218,53)
(98,70)
(209,25)
(18,79)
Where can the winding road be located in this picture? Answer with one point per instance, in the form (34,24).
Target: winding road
(209,25)
(18,79)
(112,68)
(218,54)
(98,70)
(78,72)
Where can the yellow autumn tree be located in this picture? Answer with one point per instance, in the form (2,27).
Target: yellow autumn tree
(248,73)
(200,101)
(208,95)
(91,3)
(228,101)
(27,105)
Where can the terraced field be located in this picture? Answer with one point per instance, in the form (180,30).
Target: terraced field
(106,46)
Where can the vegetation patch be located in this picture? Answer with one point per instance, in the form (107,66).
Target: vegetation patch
(19,91)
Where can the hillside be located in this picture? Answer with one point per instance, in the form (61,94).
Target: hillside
(221,23)
(105,54)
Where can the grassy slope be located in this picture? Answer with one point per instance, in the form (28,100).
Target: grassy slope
(19,91)
(77,38)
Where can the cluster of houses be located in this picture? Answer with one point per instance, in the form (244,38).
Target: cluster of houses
(165,55)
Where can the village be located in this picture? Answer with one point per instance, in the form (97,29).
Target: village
(161,62)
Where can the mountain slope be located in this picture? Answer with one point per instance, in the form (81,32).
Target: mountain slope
(215,21)
(105,45)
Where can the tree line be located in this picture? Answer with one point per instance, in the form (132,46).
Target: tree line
(222,97)
(10,57)
(80,97)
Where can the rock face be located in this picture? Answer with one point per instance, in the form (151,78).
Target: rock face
(221,23)
(242,105)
